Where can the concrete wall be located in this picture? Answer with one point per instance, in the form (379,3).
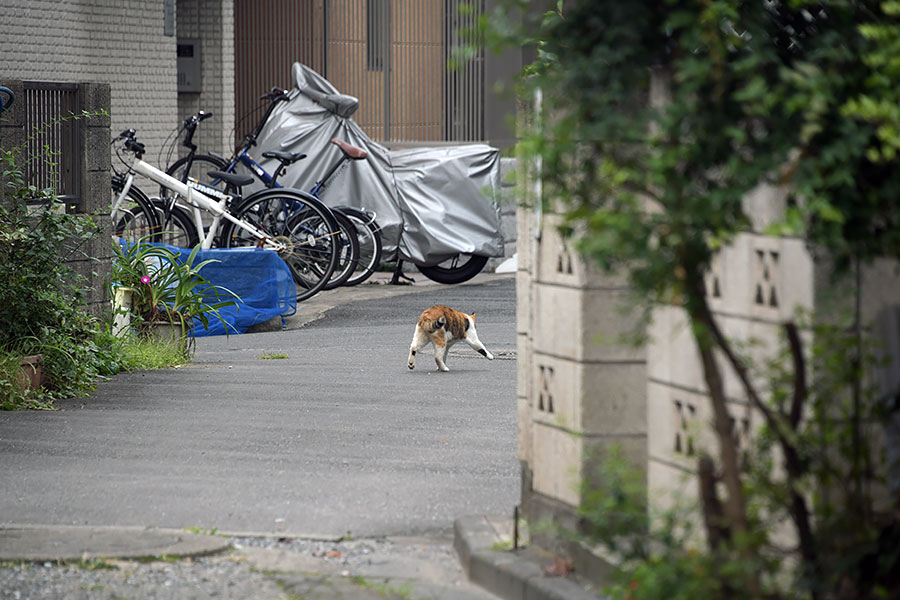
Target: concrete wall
(125,44)
(128,54)
(580,391)
(91,261)
(576,395)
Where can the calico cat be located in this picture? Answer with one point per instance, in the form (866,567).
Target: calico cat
(443,327)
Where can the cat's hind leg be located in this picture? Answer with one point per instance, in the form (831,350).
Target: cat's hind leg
(420,338)
(440,350)
(472,340)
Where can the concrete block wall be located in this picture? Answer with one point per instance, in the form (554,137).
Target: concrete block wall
(508,205)
(580,390)
(754,286)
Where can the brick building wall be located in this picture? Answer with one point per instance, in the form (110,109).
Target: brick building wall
(211,22)
(121,43)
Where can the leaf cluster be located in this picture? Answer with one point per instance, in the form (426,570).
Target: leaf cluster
(165,287)
(794,94)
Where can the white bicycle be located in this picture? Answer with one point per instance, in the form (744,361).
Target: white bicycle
(299,227)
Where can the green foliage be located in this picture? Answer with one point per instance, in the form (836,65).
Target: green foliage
(166,288)
(655,121)
(661,552)
(41,302)
(41,298)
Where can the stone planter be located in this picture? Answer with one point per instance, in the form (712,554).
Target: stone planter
(173,333)
(168,331)
(32,375)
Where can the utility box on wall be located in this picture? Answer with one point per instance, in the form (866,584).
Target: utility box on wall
(189,65)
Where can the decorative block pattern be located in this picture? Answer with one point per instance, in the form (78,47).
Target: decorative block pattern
(715,281)
(767,277)
(545,390)
(555,392)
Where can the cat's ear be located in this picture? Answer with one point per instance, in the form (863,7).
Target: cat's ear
(473,316)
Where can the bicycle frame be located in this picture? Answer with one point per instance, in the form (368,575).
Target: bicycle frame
(126,187)
(198,200)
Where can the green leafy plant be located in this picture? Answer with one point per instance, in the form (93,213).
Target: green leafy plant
(41,300)
(165,288)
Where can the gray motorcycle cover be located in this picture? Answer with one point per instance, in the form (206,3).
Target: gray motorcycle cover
(431,203)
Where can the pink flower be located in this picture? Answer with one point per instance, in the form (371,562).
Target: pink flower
(145,279)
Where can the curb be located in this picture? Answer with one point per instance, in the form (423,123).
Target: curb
(40,543)
(505,574)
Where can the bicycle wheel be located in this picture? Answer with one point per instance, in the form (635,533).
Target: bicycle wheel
(370,246)
(201,164)
(176,226)
(302,223)
(348,251)
(133,217)
(461,267)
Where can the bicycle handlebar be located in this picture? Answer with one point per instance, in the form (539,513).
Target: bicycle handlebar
(135,146)
(276,95)
(193,120)
(127,134)
(190,126)
(131,143)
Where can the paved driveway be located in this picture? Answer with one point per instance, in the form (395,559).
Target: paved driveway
(338,438)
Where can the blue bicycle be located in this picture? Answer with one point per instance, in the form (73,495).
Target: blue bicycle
(10,98)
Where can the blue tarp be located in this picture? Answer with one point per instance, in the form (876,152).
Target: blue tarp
(259,277)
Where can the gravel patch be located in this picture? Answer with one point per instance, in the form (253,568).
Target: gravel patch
(256,568)
(188,579)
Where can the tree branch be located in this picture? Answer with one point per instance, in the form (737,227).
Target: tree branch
(800,391)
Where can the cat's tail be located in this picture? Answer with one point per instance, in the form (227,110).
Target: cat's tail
(432,326)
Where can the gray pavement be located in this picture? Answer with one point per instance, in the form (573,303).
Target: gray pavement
(337,442)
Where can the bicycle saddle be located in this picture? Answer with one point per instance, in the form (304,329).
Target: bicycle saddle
(349,150)
(235,179)
(286,158)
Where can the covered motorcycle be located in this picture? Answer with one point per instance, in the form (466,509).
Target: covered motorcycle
(434,205)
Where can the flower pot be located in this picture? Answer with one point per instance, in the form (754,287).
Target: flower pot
(31,376)
(168,331)
(174,334)
(122,311)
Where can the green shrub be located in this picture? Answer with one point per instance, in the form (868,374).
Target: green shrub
(41,299)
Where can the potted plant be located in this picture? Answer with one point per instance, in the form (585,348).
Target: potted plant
(162,292)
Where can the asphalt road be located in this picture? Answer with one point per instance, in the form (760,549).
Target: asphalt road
(339,438)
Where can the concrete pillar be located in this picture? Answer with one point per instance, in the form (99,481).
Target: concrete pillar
(580,391)
(93,260)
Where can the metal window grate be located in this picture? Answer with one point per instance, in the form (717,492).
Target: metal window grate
(52,146)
